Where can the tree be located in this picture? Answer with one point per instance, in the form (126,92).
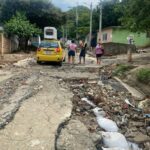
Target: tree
(83,22)
(136,16)
(109,16)
(40,12)
(20,26)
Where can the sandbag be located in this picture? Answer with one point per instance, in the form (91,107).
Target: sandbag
(107,124)
(114,140)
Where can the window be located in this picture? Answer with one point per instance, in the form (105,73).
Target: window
(49,32)
(105,37)
(49,44)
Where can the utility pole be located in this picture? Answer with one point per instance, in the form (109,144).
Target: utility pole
(66,32)
(77,22)
(63,32)
(90,36)
(100,20)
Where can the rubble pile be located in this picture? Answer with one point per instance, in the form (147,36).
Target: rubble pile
(129,113)
(25,62)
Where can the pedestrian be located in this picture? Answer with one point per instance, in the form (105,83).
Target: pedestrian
(99,51)
(82,52)
(72,52)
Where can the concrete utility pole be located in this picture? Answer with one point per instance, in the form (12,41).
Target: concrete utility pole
(66,33)
(100,20)
(90,36)
(77,18)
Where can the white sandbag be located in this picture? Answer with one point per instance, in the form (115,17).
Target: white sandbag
(115,148)
(99,112)
(107,124)
(114,139)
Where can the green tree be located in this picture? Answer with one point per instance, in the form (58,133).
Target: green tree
(136,15)
(40,12)
(83,22)
(20,26)
(109,16)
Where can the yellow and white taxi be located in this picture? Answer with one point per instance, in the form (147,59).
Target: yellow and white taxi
(50,51)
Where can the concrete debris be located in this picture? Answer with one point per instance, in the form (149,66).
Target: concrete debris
(145,105)
(75,136)
(25,62)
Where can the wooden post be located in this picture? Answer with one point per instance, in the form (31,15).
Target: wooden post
(129,54)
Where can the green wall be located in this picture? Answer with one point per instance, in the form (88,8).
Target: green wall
(120,36)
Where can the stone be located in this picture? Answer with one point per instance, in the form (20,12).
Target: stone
(140,138)
(75,136)
(137,124)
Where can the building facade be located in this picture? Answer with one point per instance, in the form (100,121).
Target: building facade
(117,34)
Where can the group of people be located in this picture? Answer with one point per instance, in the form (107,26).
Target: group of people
(72,50)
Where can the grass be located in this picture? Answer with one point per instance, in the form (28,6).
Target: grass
(143,75)
(122,69)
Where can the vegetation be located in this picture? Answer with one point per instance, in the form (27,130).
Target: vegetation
(20,26)
(110,17)
(40,12)
(122,69)
(83,22)
(24,17)
(135,15)
(143,75)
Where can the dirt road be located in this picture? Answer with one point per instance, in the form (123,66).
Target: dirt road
(37,102)
(41,107)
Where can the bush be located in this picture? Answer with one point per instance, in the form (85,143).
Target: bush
(121,69)
(143,75)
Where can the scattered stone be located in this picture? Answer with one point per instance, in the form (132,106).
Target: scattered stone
(139,138)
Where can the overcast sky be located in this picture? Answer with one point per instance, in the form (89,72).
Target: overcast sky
(64,4)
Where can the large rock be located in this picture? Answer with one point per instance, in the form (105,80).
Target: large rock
(75,136)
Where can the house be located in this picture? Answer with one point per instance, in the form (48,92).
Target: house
(117,34)
(7,45)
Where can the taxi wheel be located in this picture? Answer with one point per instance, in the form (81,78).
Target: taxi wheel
(38,62)
(60,63)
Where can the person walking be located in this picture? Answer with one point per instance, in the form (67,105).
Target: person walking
(82,52)
(99,51)
(72,52)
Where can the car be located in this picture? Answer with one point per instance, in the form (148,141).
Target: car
(50,51)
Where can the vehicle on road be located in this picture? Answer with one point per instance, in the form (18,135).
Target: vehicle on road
(50,51)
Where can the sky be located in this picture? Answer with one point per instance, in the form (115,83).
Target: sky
(65,4)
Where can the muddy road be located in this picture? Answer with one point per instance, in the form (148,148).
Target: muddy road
(47,107)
